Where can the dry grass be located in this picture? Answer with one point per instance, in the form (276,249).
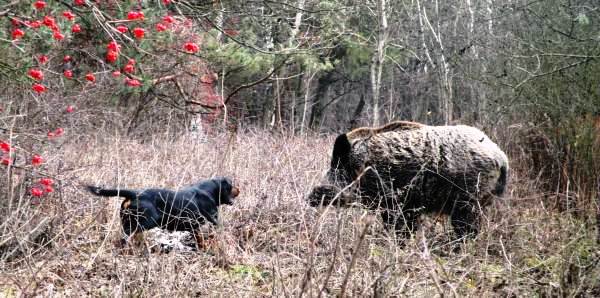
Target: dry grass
(271,242)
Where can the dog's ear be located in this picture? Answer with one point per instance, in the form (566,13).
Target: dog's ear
(227,181)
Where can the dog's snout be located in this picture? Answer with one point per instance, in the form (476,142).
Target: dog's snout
(235,192)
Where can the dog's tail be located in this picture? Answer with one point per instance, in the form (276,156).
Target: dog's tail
(126,193)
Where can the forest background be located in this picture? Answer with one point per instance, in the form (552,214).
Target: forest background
(162,93)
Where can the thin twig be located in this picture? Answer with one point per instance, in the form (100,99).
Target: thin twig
(354,257)
(333,258)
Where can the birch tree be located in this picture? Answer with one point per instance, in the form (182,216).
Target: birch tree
(378,57)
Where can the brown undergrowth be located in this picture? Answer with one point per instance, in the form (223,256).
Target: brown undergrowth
(271,243)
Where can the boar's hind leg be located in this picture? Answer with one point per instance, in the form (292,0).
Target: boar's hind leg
(403,223)
(465,220)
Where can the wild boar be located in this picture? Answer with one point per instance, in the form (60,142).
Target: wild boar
(405,169)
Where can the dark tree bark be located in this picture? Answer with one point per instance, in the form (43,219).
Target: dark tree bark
(316,110)
(357,112)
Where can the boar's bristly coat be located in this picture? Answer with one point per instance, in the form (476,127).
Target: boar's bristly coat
(405,169)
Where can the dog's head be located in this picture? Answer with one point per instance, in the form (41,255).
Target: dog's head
(224,190)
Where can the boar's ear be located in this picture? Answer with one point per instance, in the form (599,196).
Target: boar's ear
(341,152)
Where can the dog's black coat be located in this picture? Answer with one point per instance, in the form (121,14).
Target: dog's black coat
(184,210)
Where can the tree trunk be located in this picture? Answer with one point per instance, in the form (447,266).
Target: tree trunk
(445,88)
(378,57)
(321,93)
(219,20)
(293,33)
(356,115)
(298,19)
(309,78)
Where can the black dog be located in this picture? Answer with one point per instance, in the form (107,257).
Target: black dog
(184,210)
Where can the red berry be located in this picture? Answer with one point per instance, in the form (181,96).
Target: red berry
(59,131)
(90,77)
(46,181)
(112,56)
(76,28)
(6,161)
(39,5)
(129,68)
(49,22)
(67,58)
(36,160)
(50,134)
(168,19)
(35,24)
(132,15)
(132,82)
(79,2)
(122,28)
(68,74)
(113,46)
(68,15)
(116,73)
(70,109)
(160,27)
(48,189)
(43,59)
(36,74)
(36,192)
(135,15)
(138,32)
(4,146)
(58,36)
(191,47)
(17,33)
(39,88)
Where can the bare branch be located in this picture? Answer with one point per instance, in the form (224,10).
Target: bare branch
(245,86)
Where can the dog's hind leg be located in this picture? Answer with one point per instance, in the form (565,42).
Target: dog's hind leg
(140,242)
(138,237)
(203,241)
(132,228)
(403,223)
(133,242)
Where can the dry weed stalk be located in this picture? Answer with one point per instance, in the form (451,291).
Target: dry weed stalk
(271,241)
